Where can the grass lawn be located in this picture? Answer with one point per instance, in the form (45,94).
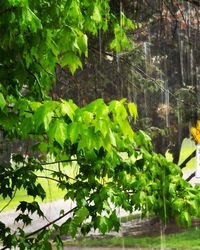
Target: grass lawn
(190,239)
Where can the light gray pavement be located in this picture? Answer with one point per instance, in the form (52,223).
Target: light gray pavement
(51,211)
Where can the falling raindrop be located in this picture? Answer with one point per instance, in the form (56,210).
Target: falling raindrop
(100,47)
(181,52)
(147,59)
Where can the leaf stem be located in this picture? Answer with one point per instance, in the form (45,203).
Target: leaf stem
(57,162)
(46,177)
(38,82)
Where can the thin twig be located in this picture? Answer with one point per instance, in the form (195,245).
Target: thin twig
(47,225)
(46,177)
(46,71)
(53,171)
(57,162)
(38,82)
(50,223)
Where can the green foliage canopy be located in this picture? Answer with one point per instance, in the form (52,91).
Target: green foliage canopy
(35,35)
(115,166)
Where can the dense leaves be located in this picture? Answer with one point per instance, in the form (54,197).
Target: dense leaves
(115,168)
(35,35)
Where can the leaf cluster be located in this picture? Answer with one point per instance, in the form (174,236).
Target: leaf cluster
(36,35)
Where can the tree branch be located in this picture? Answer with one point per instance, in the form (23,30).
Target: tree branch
(47,225)
(38,82)
(53,171)
(56,162)
(46,177)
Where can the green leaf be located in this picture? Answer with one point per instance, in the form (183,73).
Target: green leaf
(78,219)
(71,60)
(30,19)
(126,128)
(115,45)
(64,229)
(26,126)
(59,242)
(133,110)
(67,108)
(102,126)
(2,101)
(58,131)
(81,215)
(74,129)
(83,44)
(115,221)
(96,14)
(101,223)
(143,139)
(47,245)
(87,117)
(43,115)
(185,218)
(24,218)
(112,138)
(35,105)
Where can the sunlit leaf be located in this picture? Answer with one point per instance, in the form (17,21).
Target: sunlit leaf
(71,60)
(2,101)
(133,110)
(58,131)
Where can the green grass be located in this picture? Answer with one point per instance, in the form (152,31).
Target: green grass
(190,239)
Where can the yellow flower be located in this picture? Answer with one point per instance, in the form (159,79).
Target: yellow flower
(193,131)
(196,132)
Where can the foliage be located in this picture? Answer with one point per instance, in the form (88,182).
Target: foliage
(116,168)
(35,35)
